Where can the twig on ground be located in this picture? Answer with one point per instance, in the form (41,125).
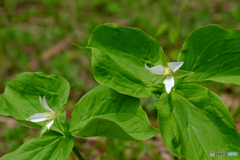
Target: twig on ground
(56,49)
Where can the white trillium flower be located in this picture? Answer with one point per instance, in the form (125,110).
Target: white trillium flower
(39,117)
(167,72)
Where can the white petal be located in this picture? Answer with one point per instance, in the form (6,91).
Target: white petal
(169,83)
(159,69)
(46,105)
(39,117)
(174,66)
(50,124)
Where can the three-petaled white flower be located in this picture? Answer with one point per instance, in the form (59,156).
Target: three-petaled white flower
(167,72)
(39,117)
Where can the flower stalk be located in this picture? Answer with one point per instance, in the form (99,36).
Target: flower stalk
(75,150)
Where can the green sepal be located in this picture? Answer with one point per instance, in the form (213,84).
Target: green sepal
(59,111)
(41,103)
(164,59)
(44,127)
(181,73)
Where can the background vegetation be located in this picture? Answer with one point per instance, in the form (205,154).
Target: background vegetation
(38,36)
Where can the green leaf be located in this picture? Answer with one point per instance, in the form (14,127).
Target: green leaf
(105,112)
(21,97)
(51,146)
(212,53)
(194,121)
(118,58)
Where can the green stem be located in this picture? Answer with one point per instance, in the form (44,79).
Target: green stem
(77,153)
(175,158)
(179,16)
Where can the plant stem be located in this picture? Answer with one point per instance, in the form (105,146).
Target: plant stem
(179,17)
(175,158)
(77,153)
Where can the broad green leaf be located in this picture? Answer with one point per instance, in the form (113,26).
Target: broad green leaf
(118,58)
(194,121)
(21,97)
(212,53)
(132,79)
(105,112)
(51,146)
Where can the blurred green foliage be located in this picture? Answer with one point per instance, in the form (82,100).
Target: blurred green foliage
(38,36)
(14,137)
